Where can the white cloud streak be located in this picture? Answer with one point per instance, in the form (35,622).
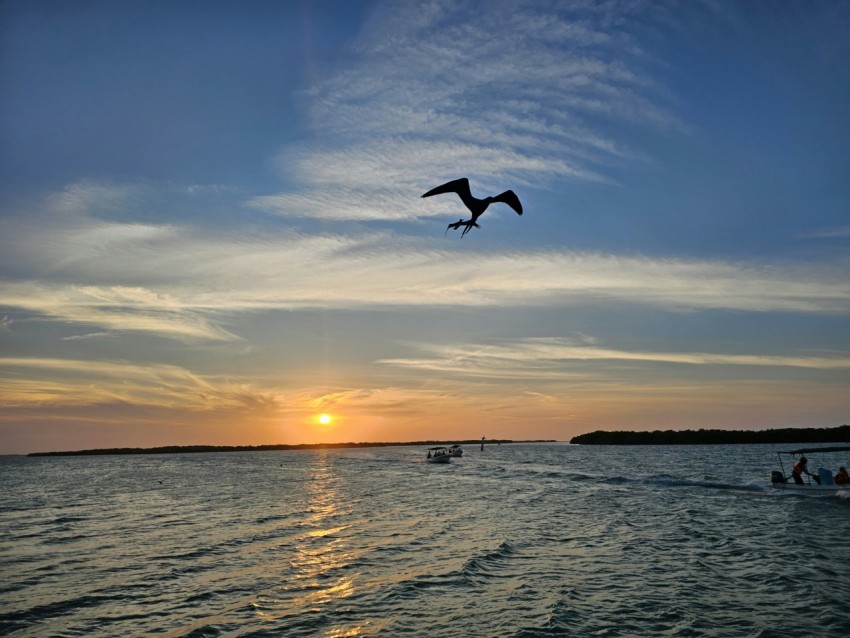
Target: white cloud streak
(839,232)
(91,335)
(553,358)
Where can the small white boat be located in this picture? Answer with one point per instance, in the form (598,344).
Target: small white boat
(439,454)
(822,481)
(456,450)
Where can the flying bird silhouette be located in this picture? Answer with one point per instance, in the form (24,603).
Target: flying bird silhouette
(476,206)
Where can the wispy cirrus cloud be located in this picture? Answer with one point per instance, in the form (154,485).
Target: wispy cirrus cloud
(383,181)
(382,398)
(90,335)
(838,232)
(115,308)
(504,90)
(90,196)
(49,381)
(553,358)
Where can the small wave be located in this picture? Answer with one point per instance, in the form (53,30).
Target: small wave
(548,471)
(418,585)
(62,540)
(64,520)
(620,480)
(489,562)
(205,631)
(35,615)
(196,554)
(273,518)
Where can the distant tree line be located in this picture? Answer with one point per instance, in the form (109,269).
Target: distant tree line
(199,449)
(839,434)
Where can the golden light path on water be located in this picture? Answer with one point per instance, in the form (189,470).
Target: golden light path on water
(321,554)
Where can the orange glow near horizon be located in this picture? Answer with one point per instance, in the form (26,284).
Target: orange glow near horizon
(401,415)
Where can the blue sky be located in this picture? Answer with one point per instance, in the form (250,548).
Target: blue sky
(211,229)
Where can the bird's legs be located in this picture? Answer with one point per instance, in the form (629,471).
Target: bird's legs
(454,226)
(468,223)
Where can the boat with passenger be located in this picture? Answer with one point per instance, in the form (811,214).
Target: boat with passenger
(456,450)
(802,479)
(439,454)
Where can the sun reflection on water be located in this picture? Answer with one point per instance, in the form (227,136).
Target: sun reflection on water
(322,553)
(323,557)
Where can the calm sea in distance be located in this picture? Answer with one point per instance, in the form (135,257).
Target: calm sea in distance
(518,540)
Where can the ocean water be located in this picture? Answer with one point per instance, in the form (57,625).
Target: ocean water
(517,540)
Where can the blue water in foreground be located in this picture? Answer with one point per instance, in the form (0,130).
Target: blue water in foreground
(517,540)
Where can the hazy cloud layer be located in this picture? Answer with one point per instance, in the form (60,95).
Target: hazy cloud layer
(171,281)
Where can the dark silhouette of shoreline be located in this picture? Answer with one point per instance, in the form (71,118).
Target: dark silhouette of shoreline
(840,434)
(710,437)
(200,449)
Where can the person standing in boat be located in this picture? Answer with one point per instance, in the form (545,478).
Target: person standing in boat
(841,476)
(800,468)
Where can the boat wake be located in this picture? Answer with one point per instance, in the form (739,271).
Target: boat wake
(717,485)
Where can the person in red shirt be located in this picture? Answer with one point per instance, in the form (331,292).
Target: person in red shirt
(800,468)
(841,476)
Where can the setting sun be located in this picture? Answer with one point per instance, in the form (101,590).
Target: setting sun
(324,419)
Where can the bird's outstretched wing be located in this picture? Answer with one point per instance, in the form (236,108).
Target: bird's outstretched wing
(510,198)
(459,186)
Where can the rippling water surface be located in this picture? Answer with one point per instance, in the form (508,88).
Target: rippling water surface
(517,540)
